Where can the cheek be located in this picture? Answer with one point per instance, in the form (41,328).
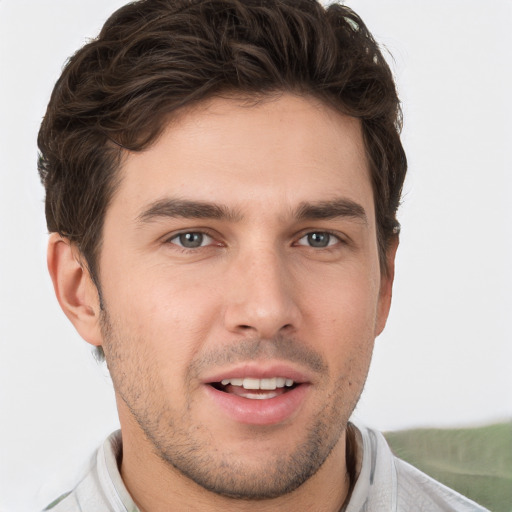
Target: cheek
(344,303)
(169,314)
(341,322)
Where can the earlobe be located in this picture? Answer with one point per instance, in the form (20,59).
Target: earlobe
(74,288)
(386,286)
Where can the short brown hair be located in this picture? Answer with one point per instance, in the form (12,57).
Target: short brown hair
(153,57)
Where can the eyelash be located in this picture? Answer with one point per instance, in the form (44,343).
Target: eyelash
(337,237)
(202,233)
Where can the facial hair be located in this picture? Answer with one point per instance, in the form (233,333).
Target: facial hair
(190,447)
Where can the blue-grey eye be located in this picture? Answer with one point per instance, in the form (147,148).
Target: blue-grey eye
(191,240)
(318,239)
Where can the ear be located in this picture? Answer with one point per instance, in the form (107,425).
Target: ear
(74,288)
(386,286)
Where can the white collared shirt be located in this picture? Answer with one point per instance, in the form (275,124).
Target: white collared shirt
(385,483)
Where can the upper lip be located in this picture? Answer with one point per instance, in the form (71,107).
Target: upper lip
(259,371)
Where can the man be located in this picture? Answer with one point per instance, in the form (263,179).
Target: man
(222,180)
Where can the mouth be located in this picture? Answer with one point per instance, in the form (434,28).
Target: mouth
(254,388)
(258,394)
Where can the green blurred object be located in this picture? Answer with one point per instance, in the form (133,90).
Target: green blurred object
(477,462)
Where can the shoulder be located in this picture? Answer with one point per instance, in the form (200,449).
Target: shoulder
(415,487)
(97,490)
(61,504)
(387,482)
(86,496)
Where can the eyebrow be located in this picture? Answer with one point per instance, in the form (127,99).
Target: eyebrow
(183,208)
(341,207)
(188,209)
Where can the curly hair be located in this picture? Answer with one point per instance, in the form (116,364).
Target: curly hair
(153,57)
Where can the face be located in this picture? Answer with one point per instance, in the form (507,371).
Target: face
(242,291)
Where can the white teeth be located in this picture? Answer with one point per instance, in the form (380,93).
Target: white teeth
(266,384)
(251,383)
(255,396)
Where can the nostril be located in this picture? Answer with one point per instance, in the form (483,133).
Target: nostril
(245,327)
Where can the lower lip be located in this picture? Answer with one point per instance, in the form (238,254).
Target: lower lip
(268,411)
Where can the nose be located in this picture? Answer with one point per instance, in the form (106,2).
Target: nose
(261,296)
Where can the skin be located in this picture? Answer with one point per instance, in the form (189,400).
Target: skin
(257,290)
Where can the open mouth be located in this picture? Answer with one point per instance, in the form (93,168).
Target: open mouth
(269,400)
(256,389)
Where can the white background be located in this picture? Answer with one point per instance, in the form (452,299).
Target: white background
(445,358)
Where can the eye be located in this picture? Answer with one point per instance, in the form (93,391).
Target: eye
(191,240)
(318,239)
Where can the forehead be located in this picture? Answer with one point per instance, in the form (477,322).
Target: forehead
(288,149)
